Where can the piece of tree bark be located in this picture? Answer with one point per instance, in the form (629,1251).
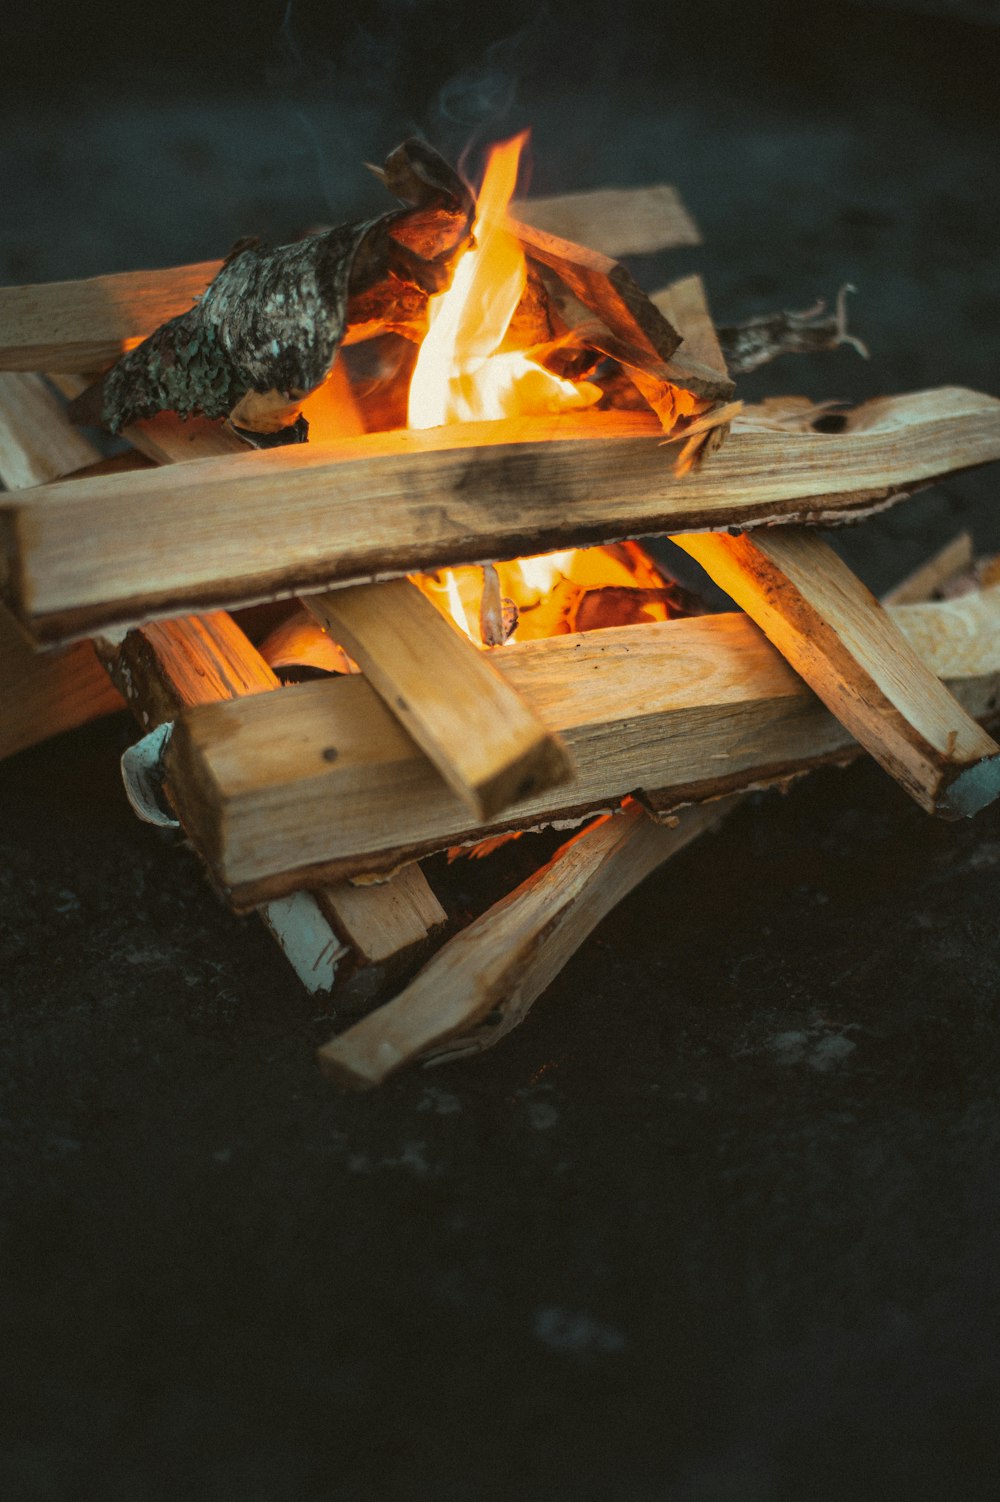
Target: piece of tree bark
(834,632)
(42,693)
(267,525)
(686,710)
(760,340)
(487,744)
(494,970)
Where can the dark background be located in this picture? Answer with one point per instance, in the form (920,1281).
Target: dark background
(720,1223)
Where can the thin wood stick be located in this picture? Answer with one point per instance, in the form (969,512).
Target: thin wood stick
(488,745)
(615,221)
(504,960)
(840,639)
(955,558)
(687,710)
(124,548)
(42,693)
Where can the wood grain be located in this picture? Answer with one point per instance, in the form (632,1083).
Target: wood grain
(196,536)
(685,710)
(834,632)
(615,221)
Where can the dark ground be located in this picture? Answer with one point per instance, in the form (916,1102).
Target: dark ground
(720,1223)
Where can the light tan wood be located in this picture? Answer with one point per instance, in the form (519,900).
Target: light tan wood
(615,221)
(83,325)
(955,558)
(383,921)
(196,536)
(42,693)
(684,304)
(490,748)
(498,966)
(834,632)
(686,710)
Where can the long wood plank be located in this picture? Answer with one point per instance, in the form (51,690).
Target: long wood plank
(688,709)
(834,632)
(266,525)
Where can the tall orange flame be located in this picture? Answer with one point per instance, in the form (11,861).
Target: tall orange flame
(460,375)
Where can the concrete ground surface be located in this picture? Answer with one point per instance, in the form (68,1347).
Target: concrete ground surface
(720,1222)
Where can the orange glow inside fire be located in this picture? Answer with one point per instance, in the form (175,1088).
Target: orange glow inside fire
(461,374)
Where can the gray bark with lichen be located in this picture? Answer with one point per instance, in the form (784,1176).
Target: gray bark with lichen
(267,330)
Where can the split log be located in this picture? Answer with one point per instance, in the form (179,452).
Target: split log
(686,710)
(490,748)
(834,632)
(614,221)
(487,977)
(196,536)
(42,693)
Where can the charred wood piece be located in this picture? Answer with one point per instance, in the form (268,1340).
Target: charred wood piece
(266,331)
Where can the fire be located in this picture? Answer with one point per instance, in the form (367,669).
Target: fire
(461,375)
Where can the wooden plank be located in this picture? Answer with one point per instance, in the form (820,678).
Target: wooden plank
(685,709)
(505,959)
(490,748)
(834,632)
(383,921)
(684,304)
(196,536)
(42,693)
(615,221)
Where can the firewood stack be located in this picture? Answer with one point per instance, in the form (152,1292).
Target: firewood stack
(313,802)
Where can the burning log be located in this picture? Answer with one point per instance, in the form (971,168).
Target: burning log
(487,744)
(83,325)
(834,632)
(481,984)
(123,548)
(686,710)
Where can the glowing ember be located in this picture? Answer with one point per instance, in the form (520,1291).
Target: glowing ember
(460,376)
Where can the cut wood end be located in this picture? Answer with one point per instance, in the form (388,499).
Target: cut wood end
(973,789)
(357,1068)
(545,763)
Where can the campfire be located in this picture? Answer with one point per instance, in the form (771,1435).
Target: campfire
(369,578)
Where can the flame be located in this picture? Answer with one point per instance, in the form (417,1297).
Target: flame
(460,376)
